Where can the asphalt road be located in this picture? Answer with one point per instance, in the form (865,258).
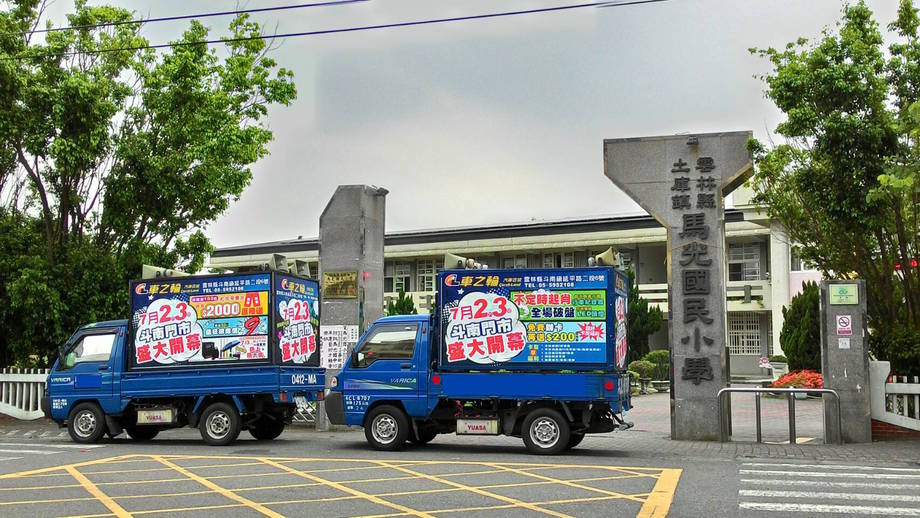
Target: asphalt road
(308,473)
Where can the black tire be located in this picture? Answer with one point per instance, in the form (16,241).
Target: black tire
(387,428)
(266,429)
(424,435)
(86,423)
(574,440)
(545,432)
(220,424)
(142,433)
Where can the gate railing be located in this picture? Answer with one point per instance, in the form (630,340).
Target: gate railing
(894,399)
(21,392)
(725,421)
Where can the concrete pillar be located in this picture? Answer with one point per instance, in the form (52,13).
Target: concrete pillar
(682,180)
(351,230)
(779,280)
(845,359)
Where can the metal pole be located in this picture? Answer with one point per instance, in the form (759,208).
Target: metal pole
(722,435)
(757,409)
(839,421)
(791,398)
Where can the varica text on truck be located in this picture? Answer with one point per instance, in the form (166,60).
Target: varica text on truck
(223,353)
(537,354)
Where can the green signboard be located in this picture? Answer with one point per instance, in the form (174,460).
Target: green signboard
(843,294)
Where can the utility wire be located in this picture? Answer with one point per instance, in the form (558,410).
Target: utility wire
(355,29)
(192,16)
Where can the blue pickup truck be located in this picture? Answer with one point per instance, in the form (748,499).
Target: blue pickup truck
(223,353)
(536,354)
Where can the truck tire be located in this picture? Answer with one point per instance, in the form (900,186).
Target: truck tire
(545,432)
(424,436)
(387,428)
(220,424)
(142,433)
(266,429)
(86,423)
(574,440)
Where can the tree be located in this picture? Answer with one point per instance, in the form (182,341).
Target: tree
(113,155)
(641,321)
(403,305)
(844,180)
(801,334)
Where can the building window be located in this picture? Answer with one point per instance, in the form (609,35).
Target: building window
(568,259)
(744,333)
(520,261)
(508,263)
(799,265)
(401,274)
(425,275)
(744,262)
(549,260)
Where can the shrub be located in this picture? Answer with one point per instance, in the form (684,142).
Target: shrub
(800,379)
(779,358)
(661,358)
(633,376)
(801,334)
(644,368)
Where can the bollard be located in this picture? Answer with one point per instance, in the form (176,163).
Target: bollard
(791,399)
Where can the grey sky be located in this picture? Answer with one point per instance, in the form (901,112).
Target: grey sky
(493,121)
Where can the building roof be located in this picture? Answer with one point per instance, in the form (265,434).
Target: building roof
(411,237)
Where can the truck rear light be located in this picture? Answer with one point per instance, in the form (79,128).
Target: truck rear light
(436,379)
(320,395)
(608,385)
(284,396)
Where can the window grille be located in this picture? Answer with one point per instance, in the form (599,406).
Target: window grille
(744,333)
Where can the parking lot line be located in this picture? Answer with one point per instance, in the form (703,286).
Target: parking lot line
(476,490)
(612,494)
(107,501)
(346,489)
(220,489)
(659,501)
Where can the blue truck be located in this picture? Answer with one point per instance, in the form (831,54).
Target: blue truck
(536,354)
(223,353)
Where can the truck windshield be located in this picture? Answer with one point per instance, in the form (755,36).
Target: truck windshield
(392,342)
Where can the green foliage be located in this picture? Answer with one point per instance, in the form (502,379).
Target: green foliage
(661,358)
(801,334)
(403,305)
(779,358)
(641,320)
(845,179)
(645,369)
(112,158)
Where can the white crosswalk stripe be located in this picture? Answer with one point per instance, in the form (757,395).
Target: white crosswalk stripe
(769,489)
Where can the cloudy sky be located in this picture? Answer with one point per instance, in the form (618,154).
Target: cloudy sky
(492,121)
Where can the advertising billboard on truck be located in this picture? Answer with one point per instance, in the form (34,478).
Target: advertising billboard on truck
(224,319)
(532,319)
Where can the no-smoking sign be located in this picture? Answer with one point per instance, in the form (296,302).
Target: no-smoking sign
(844,325)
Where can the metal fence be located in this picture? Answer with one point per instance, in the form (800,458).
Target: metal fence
(894,399)
(725,420)
(21,392)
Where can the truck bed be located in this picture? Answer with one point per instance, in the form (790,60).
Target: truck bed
(236,379)
(532,386)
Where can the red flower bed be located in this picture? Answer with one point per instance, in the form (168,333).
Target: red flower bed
(800,379)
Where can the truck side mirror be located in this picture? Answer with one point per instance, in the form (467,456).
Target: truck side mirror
(69,360)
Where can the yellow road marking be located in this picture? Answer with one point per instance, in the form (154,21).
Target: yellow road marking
(476,490)
(20,474)
(659,500)
(552,480)
(346,489)
(223,491)
(107,501)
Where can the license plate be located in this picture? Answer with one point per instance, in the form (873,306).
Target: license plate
(300,401)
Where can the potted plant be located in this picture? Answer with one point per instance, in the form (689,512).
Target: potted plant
(800,379)
(779,364)
(661,359)
(645,369)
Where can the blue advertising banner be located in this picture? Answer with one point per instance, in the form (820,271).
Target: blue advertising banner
(529,319)
(296,320)
(199,320)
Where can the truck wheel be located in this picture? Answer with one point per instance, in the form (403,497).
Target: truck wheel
(220,424)
(266,429)
(574,440)
(86,423)
(142,433)
(387,428)
(424,436)
(545,432)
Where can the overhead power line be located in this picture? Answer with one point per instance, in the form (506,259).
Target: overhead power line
(193,16)
(358,28)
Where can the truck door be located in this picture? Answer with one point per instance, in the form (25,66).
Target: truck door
(86,370)
(385,367)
